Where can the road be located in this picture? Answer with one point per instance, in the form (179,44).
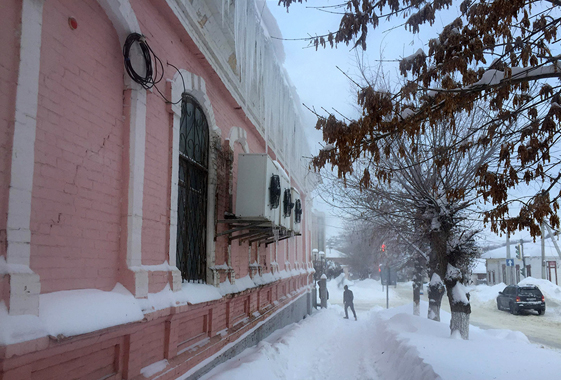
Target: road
(537,328)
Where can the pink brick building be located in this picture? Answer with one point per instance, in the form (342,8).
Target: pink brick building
(126,251)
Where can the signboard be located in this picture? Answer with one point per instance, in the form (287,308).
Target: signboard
(509,262)
(388,275)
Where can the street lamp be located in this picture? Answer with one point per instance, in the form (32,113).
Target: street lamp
(314,254)
(322,261)
(323,295)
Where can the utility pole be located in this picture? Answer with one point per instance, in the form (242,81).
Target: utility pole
(551,235)
(388,289)
(523,258)
(543,249)
(509,279)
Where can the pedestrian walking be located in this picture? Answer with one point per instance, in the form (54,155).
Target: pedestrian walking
(348,302)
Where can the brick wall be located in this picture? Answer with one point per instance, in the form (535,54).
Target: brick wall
(292,313)
(88,363)
(157,176)
(153,338)
(75,216)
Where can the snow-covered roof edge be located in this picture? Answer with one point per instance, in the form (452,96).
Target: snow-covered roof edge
(235,41)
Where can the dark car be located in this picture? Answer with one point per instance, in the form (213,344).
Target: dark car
(521,297)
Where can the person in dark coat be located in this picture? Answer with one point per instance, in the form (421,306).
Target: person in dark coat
(348,302)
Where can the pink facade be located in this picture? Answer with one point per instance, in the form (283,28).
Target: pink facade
(88,186)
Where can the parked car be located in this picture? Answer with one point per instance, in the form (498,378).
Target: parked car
(515,298)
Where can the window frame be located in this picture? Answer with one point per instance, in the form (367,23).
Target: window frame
(193,85)
(194,149)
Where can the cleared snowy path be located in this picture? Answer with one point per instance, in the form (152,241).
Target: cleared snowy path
(324,346)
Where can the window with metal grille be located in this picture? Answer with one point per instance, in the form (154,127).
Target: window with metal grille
(298,211)
(192,192)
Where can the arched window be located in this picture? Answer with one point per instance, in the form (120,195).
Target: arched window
(192,191)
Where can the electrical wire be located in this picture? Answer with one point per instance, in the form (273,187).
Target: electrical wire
(150,77)
(154,72)
(181,75)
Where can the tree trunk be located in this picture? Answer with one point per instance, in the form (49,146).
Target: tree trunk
(435,293)
(417,298)
(437,265)
(417,285)
(459,322)
(460,306)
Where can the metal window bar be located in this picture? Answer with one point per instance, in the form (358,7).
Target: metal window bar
(192,192)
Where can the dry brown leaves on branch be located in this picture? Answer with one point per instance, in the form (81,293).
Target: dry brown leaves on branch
(499,52)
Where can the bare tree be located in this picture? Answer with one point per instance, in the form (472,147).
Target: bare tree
(361,248)
(424,195)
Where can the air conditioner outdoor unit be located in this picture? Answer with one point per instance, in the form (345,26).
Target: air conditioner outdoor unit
(296,216)
(259,193)
(286,204)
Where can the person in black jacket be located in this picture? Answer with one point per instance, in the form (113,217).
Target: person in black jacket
(348,302)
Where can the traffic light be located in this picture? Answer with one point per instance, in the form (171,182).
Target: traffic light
(383,249)
(517,248)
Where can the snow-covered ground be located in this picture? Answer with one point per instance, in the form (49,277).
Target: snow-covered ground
(369,293)
(394,344)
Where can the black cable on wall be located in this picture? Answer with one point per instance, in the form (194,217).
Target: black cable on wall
(154,66)
(150,77)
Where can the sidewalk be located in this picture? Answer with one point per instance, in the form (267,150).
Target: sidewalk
(322,347)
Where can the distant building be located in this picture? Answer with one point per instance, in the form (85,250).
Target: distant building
(336,256)
(340,258)
(479,272)
(318,230)
(498,271)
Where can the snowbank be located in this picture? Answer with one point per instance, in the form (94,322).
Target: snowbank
(551,292)
(486,296)
(74,312)
(396,358)
(418,348)
(394,344)
(66,313)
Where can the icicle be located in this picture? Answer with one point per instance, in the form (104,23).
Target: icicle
(265,87)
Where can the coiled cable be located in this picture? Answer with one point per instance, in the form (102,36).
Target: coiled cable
(150,77)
